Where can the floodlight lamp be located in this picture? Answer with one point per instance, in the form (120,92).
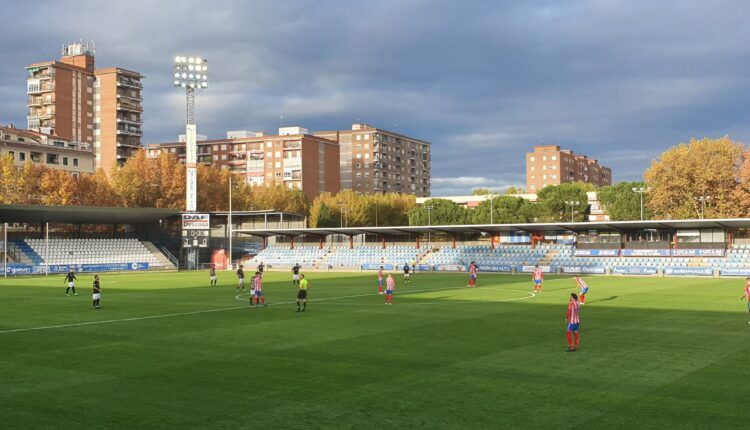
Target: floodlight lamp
(177,83)
(176,75)
(183,85)
(190,76)
(184,59)
(198,60)
(191,60)
(191,67)
(204,84)
(192,85)
(184,75)
(177,59)
(205,77)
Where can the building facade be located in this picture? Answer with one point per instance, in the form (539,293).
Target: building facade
(292,158)
(550,165)
(117,115)
(71,99)
(52,151)
(374,160)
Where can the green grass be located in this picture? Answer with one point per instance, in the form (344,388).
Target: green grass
(656,353)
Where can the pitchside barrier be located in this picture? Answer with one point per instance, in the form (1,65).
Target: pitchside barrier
(23,269)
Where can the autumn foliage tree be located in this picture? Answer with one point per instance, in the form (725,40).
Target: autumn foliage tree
(713,168)
(360,210)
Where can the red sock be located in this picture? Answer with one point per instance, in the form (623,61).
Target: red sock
(583,298)
(570,339)
(380,290)
(263,300)
(577,340)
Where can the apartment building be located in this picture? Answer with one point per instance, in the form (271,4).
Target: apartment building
(293,158)
(550,165)
(53,151)
(71,99)
(117,115)
(374,160)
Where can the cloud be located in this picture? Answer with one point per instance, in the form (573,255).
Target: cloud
(484,81)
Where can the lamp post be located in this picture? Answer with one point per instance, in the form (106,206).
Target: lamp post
(641,190)
(429,209)
(703,200)
(492,198)
(572,204)
(190,73)
(344,210)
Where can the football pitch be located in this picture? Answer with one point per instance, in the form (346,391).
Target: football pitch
(166,350)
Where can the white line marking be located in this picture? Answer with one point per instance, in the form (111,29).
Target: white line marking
(239,297)
(16,330)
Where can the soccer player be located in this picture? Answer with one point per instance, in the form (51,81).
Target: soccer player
(380,280)
(241,278)
(257,283)
(70,279)
(472,274)
(574,322)
(407,275)
(212,275)
(295,274)
(584,288)
(97,292)
(390,287)
(747,294)
(537,277)
(302,292)
(261,267)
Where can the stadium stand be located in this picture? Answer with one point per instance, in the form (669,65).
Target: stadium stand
(90,251)
(282,257)
(500,258)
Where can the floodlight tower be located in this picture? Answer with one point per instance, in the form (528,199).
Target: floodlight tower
(191,73)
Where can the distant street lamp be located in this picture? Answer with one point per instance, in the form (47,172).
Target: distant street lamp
(572,204)
(429,209)
(492,198)
(641,190)
(703,200)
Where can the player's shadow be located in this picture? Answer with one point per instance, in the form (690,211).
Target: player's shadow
(603,300)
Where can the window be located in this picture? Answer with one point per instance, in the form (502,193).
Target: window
(224,156)
(533,168)
(544,167)
(216,158)
(12,155)
(367,136)
(215,147)
(532,158)
(269,144)
(544,158)
(223,147)
(278,154)
(278,164)
(554,157)
(75,162)
(21,156)
(65,161)
(359,137)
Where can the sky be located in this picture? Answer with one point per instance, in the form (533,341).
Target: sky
(483,81)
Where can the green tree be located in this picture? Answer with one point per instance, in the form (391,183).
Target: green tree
(554,197)
(481,191)
(514,190)
(444,212)
(623,204)
(505,210)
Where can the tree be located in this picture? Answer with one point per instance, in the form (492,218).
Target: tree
(622,204)
(481,191)
(514,190)
(707,167)
(554,197)
(390,209)
(505,210)
(444,212)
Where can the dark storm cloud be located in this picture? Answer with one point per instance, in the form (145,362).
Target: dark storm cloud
(483,80)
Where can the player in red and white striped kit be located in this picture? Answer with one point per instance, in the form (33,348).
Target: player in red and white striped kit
(537,278)
(257,284)
(584,288)
(747,295)
(472,274)
(390,287)
(574,322)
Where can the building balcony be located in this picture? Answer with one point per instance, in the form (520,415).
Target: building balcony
(129,131)
(126,96)
(40,116)
(129,83)
(129,144)
(129,106)
(34,101)
(238,162)
(129,121)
